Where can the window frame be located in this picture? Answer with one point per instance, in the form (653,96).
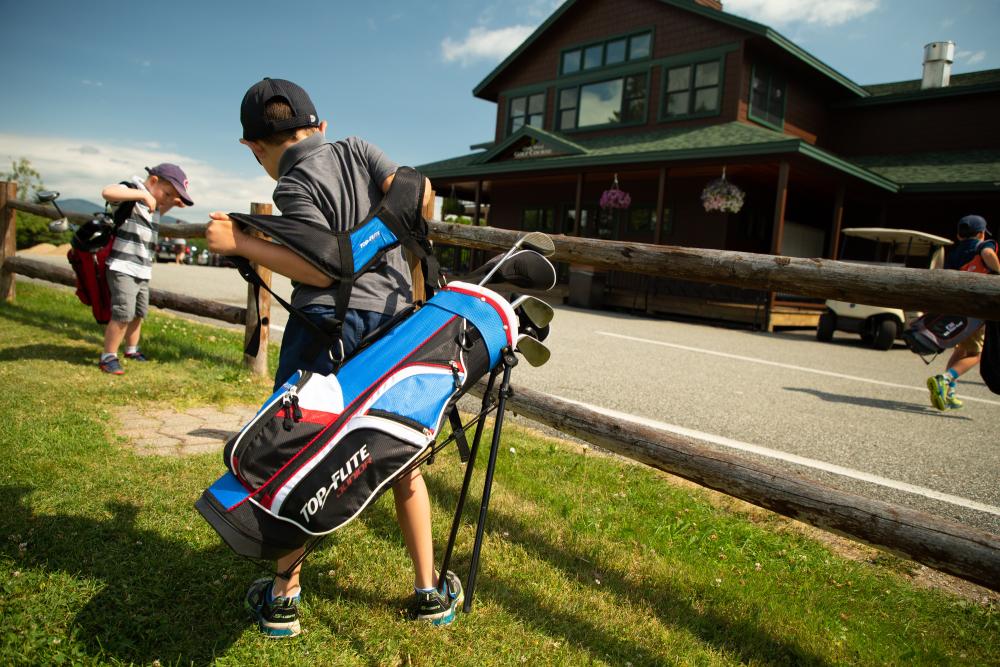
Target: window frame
(526,95)
(692,61)
(603,44)
(780,127)
(549,215)
(596,80)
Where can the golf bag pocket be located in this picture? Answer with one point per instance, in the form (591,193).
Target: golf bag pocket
(933,334)
(324,447)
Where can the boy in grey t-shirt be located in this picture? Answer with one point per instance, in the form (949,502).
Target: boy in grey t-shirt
(336,185)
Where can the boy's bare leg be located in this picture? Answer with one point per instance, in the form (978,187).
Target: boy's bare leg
(413,513)
(287,587)
(114,332)
(132,332)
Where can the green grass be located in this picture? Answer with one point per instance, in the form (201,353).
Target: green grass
(587,560)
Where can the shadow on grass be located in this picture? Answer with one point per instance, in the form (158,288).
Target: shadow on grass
(154,601)
(162,348)
(45,352)
(674,608)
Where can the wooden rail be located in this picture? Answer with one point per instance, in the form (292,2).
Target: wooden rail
(944,545)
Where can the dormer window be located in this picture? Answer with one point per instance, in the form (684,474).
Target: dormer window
(768,91)
(692,90)
(614,51)
(526,110)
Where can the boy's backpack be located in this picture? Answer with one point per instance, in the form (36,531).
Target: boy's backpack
(91,244)
(931,335)
(323,447)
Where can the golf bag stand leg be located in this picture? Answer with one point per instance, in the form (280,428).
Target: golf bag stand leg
(468,476)
(509,361)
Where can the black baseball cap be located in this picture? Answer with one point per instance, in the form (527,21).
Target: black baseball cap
(971,225)
(255,123)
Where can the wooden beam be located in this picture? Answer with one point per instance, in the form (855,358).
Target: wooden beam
(838,219)
(960,292)
(479,203)
(8,239)
(944,545)
(661,195)
(258,305)
(777,230)
(63,275)
(578,204)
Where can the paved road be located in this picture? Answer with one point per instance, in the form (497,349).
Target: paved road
(851,417)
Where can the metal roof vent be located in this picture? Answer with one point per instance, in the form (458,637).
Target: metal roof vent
(938,57)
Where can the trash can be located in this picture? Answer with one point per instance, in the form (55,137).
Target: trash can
(586,286)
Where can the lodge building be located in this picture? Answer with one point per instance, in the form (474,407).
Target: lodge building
(669,95)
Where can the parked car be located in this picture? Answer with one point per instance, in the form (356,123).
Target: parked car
(880,326)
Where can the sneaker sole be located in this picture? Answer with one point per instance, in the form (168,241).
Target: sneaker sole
(936,399)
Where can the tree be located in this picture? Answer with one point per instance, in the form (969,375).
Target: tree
(28,180)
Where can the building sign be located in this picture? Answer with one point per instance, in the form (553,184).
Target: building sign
(532,151)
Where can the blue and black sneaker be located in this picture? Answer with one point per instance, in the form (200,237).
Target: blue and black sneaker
(433,607)
(277,617)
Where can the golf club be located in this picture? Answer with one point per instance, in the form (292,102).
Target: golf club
(533,309)
(62,224)
(532,350)
(537,241)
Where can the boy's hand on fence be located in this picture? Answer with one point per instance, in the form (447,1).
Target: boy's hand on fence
(222,235)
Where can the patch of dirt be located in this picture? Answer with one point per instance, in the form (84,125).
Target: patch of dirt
(47,249)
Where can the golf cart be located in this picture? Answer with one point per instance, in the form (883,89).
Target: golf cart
(879,326)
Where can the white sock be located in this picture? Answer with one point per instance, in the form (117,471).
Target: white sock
(131,349)
(108,355)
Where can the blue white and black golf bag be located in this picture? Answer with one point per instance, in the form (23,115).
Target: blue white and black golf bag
(324,447)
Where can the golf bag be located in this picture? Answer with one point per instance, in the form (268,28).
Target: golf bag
(91,244)
(322,448)
(933,334)
(989,363)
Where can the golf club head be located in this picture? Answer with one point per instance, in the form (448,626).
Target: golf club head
(536,311)
(46,196)
(532,350)
(60,225)
(526,269)
(539,242)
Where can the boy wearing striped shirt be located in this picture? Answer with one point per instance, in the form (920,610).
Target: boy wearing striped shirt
(130,264)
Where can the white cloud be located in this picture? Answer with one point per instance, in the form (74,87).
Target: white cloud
(784,12)
(89,82)
(971,57)
(81,169)
(484,44)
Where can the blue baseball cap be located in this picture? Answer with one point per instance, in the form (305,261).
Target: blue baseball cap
(177,178)
(971,225)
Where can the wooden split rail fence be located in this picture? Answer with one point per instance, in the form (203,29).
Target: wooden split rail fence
(939,543)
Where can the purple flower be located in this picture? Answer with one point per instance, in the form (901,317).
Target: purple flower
(615,198)
(721,195)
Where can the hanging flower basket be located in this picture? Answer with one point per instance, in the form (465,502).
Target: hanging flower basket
(615,197)
(721,195)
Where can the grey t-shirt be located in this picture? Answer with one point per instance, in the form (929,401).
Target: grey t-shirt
(338,185)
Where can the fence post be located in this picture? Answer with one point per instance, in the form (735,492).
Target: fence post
(8,238)
(258,364)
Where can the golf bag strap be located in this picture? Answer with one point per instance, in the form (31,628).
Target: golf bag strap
(124,210)
(459,431)
(252,277)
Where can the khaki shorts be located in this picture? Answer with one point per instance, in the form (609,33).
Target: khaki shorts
(973,345)
(129,296)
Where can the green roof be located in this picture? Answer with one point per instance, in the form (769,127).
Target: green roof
(726,140)
(988,76)
(747,25)
(959,170)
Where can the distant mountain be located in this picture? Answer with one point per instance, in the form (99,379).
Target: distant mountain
(89,208)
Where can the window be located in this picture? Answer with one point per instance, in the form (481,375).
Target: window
(527,110)
(693,89)
(641,221)
(538,220)
(603,103)
(612,52)
(767,97)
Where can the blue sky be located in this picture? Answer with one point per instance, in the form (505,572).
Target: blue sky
(97,90)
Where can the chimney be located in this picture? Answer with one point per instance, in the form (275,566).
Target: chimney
(938,57)
(713,4)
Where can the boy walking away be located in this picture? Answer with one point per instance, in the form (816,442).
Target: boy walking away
(335,185)
(973,252)
(130,264)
